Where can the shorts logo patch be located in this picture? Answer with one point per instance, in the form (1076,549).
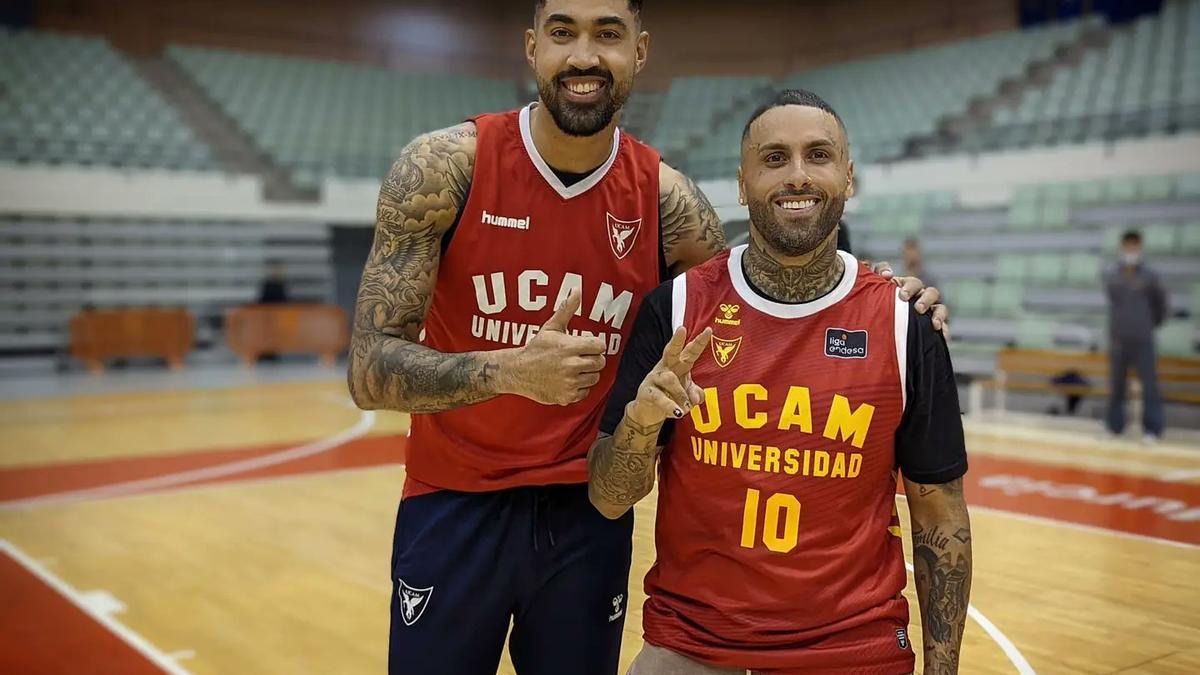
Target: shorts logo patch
(413,602)
(618,607)
(902,638)
(845,344)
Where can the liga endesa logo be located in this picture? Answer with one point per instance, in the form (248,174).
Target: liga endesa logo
(845,344)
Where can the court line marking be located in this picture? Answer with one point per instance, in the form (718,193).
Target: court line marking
(365,421)
(1181,475)
(1010,650)
(1094,529)
(126,634)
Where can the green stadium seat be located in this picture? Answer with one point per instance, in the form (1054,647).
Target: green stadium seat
(1055,212)
(1189,237)
(1024,215)
(1187,185)
(1155,188)
(970,298)
(1083,269)
(1087,192)
(1036,332)
(1177,338)
(1012,267)
(1007,298)
(1046,269)
(1121,190)
(1160,238)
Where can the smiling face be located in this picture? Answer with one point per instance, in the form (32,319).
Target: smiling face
(796,176)
(585,54)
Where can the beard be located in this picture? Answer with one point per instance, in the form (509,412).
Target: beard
(791,239)
(589,119)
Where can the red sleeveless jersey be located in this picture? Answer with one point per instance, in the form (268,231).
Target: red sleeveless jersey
(777,535)
(522,243)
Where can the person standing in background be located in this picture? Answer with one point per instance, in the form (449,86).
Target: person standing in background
(913,261)
(274,289)
(1137,305)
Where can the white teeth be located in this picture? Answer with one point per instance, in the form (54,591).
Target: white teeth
(583,88)
(795,205)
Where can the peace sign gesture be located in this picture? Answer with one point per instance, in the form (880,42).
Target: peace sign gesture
(668,391)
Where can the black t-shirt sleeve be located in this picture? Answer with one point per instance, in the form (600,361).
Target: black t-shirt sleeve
(930,447)
(651,332)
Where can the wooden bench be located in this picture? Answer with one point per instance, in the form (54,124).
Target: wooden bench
(1035,369)
(98,335)
(254,330)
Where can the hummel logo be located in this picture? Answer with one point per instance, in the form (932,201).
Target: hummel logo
(502,221)
(618,610)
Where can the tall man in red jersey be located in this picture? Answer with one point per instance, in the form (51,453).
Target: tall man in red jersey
(483,230)
(809,384)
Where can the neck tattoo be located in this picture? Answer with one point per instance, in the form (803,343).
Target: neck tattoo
(794,283)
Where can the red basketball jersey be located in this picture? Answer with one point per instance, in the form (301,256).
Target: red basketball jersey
(524,240)
(777,536)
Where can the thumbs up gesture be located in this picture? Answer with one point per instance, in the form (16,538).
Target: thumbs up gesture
(556,367)
(667,391)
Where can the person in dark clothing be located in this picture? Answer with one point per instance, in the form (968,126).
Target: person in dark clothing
(1137,305)
(274,289)
(843,239)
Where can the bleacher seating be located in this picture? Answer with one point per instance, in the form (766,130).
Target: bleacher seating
(321,118)
(695,106)
(1145,81)
(887,100)
(1029,275)
(50,269)
(67,99)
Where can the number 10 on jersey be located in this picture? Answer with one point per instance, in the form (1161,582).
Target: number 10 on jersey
(779,506)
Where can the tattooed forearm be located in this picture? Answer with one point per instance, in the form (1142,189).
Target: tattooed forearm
(941,533)
(691,229)
(621,467)
(418,202)
(816,276)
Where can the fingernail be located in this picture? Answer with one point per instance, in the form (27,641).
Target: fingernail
(678,413)
(920,307)
(904,295)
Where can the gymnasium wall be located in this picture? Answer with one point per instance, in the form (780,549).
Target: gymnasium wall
(689,37)
(986,179)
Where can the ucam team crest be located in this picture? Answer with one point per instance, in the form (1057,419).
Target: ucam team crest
(413,602)
(724,350)
(622,234)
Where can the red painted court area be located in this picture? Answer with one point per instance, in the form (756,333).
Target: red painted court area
(41,631)
(52,479)
(1111,501)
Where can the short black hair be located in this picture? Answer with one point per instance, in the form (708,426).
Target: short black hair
(635,6)
(802,97)
(1131,236)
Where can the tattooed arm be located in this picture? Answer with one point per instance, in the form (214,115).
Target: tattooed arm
(941,533)
(653,384)
(621,466)
(420,198)
(419,201)
(691,230)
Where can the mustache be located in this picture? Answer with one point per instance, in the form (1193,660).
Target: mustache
(810,192)
(595,71)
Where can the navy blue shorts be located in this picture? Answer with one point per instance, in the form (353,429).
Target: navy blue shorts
(466,564)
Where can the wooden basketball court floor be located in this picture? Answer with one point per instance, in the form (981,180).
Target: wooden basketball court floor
(247,529)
